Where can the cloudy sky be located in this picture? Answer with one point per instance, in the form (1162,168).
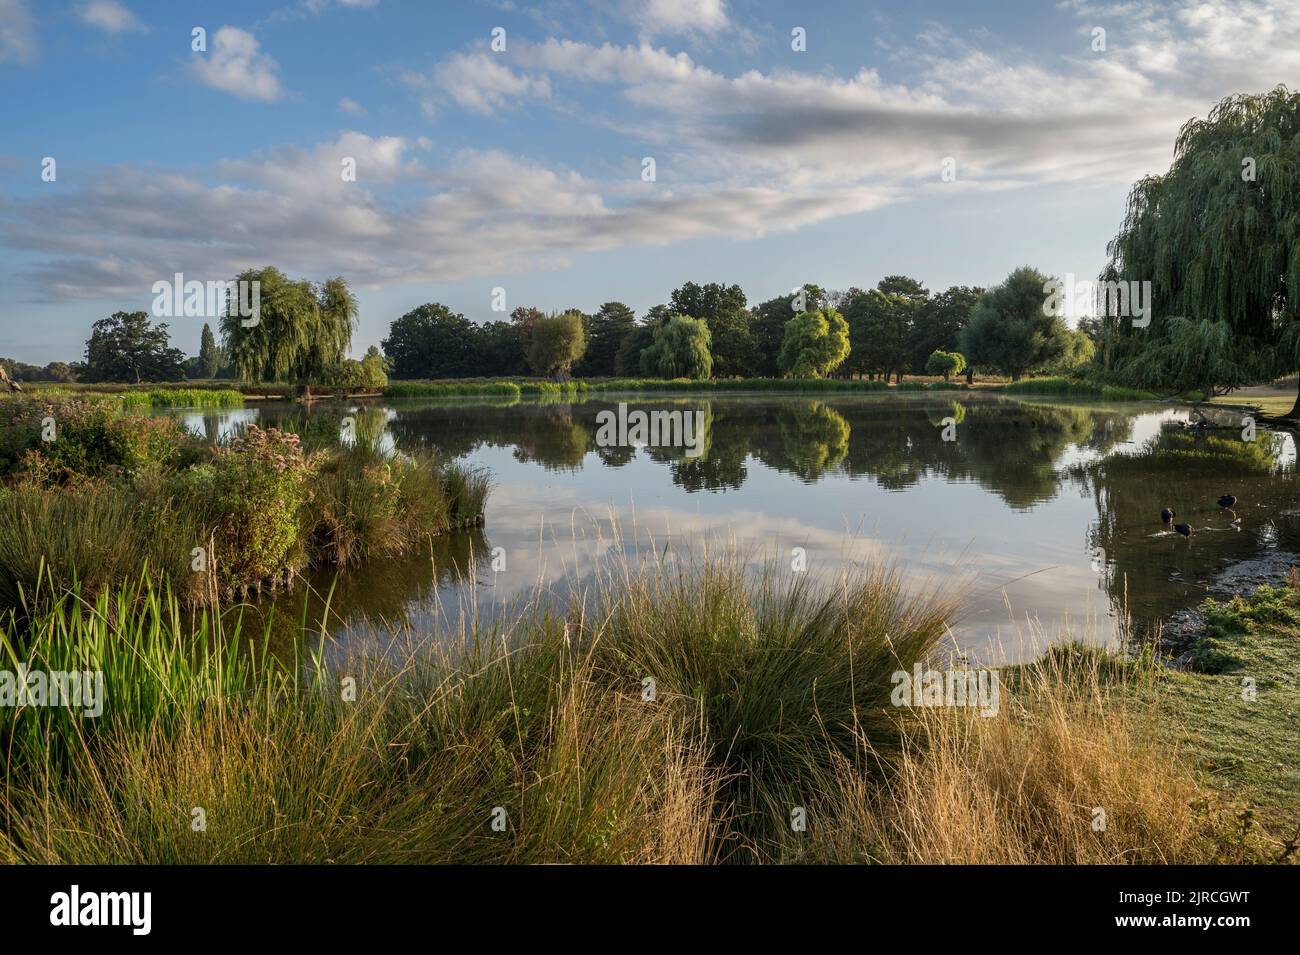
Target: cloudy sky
(525,168)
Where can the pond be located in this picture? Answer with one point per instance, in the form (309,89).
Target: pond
(1044,515)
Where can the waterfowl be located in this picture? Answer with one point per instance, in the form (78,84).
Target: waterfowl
(1184,529)
(1227,502)
(1166,514)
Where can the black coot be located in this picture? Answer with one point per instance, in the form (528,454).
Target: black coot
(1227,501)
(1166,514)
(1184,529)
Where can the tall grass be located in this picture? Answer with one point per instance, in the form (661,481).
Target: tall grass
(1072,770)
(184,398)
(450,389)
(768,694)
(760,684)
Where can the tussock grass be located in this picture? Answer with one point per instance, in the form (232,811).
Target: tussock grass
(768,694)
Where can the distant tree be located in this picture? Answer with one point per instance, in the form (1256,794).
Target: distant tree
(431,341)
(815,344)
(938,323)
(880,329)
(627,363)
(303,330)
(22,371)
(557,341)
(605,333)
(499,351)
(374,370)
(767,330)
(1009,329)
(680,350)
(128,347)
(1078,353)
(347,376)
(210,357)
(59,371)
(723,309)
(946,363)
(905,286)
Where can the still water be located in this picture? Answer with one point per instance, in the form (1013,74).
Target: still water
(1044,515)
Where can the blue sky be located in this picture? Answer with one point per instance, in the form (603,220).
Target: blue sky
(522,168)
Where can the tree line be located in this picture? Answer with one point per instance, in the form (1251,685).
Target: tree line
(1216,239)
(710,330)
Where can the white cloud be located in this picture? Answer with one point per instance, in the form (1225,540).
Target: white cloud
(677,17)
(236,64)
(17,33)
(347,105)
(738,155)
(110,15)
(481,83)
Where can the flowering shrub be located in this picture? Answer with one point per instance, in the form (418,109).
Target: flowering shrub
(252,492)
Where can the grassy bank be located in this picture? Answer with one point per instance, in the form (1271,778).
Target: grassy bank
(147,396)
(661,715)
(1073,387)
(1237,705)
(93,492)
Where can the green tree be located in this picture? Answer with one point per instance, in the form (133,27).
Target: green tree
(723,309)
(627,362)
(209,354)
(556,342)
(680,350)
(1009,328)
(938,323)
(946,363)
(58,371)
(1218,238)
(499,351)
(303,330)
(128,347)
(815,344)
(606,331)
(432,341)
(374,370)
(880,328)
(767,329)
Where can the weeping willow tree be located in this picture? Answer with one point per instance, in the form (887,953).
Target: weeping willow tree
(301,333)
(1218,238)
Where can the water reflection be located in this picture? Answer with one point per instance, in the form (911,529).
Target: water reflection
(1047,513)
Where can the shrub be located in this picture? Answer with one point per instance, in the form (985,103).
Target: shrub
(77,438)
(251,494)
